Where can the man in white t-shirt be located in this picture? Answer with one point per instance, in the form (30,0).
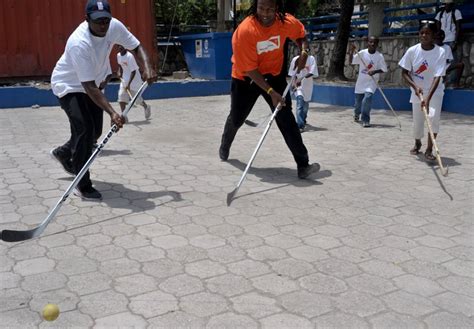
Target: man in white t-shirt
(76,78)
(449,20)
(131,81)
(303,88)
(371,64)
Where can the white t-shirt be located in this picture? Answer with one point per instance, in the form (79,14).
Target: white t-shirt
(86,57)
(128,64)
(448,54)
(424,66)
(306,87)
(447,24)
(372,62)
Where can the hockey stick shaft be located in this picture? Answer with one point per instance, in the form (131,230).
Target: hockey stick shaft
(231,195)
(16,235)
(444,170)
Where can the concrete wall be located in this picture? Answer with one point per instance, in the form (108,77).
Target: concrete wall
(393,49)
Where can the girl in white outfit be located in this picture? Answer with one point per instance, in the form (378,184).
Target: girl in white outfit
(423,66)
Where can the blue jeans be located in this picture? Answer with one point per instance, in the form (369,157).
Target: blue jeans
(363,105)
(301,111)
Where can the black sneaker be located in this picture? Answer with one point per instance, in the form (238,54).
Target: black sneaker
(356,118)
(224,152)
(88,193)
(304,172)
(66,164)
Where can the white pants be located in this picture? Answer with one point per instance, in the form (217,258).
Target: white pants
(124,97)
(434,115)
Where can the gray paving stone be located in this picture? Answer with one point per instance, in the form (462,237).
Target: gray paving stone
(292,268)
(103,303)
(181,285)
(336,320)
(266,253)
(382,269)
(88,283)
(21,318)
(458,284)
(395,321)
(203,304)
(169,241)
(248,268)
(177,319)
(455,303)
(22,252)
(66,252)
(225,254)
(205,269)
(125,319)
(274,284)
(406,303)
(231,320)
(388,254)
(73,266)
(153,304)
(308,253)
(322,241)
(147,253)
(44,282)
(135,284)
(460,267)
(336,267)
(207,241)
(186,254)
(358,303)
(418,285)
(371,284)
(349,254)
(306,304)
(228,285)
(285,320)
(254,304)
(448,320)
(12,299)
(119,267)
(323,284)
(66,300)
(424,268)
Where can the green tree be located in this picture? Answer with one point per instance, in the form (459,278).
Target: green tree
(188,12)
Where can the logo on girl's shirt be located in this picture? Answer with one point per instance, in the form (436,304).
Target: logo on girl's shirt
(271,44)
(422,68)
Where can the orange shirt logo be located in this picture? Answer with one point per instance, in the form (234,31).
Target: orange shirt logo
(271,44)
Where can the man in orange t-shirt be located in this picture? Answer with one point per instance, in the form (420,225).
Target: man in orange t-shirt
(257,59)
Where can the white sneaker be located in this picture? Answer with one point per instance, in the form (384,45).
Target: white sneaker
(147,112)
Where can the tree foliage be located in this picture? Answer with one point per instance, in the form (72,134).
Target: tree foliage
(188,12)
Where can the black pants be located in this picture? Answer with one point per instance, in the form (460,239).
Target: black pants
(243,97)
(85,120)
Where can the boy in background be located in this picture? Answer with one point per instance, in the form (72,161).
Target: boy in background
(303,87)
(131,81)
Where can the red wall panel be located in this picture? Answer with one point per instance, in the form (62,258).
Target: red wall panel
(33,33)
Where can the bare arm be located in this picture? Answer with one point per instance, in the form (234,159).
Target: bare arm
(303,46)
(100,100)
(149,74)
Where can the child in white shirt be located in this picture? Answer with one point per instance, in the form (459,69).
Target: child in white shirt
(371,64)
(423,66)
(303,87)
(131,80)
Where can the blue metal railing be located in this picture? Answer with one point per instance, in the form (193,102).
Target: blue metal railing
(322,27)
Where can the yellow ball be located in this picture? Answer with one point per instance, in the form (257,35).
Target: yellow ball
(50,312)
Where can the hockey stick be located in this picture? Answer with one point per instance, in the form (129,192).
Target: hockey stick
(15,235)
(258,125)
(443,169)
(383,94)
(231,195)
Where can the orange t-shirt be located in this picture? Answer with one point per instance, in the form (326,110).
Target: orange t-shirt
(257,47)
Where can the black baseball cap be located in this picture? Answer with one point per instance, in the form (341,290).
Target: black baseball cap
(96,9)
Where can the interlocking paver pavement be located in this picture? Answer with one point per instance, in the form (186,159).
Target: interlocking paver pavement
(377,239)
